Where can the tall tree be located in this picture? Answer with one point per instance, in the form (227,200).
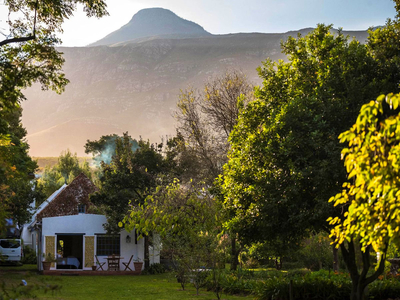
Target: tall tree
(16,171)
(135,169)
(284,161)
(28,55)
(128,178)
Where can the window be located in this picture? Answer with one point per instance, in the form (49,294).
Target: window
(81,208)
(108,244)
(6,244)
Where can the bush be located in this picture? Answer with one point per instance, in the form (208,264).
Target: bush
(384,289)
(29,256)
(317,285)
(298,272)
(154,269)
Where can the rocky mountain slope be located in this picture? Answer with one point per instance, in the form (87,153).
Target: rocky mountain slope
(134,86)
(153,22)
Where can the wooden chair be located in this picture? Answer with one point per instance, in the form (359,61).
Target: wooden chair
(99,263)
(127,264)
(113,263)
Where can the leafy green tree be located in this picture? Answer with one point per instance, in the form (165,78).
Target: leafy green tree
(135,169)
(284,160)
(16,169)
(188,220)
(28,53)
(371,194)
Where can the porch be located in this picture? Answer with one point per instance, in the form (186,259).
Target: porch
(89,273)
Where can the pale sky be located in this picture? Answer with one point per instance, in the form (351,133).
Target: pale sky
(232,16)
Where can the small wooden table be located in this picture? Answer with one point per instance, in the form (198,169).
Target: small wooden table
(113,262)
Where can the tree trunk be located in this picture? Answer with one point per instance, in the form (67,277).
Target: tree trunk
(234,254)
(360,280)
(335,259)
(146,252)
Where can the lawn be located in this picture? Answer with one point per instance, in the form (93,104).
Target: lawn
(144,287)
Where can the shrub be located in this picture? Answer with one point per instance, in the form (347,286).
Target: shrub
(29,256)
(154,269)
(298,272)
(317,285)
(384,289)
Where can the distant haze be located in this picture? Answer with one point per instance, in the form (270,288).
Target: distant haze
(134,83)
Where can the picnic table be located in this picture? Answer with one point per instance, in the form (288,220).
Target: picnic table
(113,262)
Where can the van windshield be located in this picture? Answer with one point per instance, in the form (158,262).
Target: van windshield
(10,243)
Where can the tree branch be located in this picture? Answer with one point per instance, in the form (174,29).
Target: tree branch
(26,38)
(380,269)
(17,40)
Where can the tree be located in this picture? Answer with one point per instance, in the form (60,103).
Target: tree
(28,55)
(188,220)
(205,121)
(134,171)
(284,160)
(16,169)
(371,194)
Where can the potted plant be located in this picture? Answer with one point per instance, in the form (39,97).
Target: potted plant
(47,260)
(93,265)
(138,264)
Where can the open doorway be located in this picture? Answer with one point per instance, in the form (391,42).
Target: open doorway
(69,251)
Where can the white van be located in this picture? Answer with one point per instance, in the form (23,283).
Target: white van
(10,250)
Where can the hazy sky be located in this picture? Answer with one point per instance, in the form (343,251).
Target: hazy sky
(232,16)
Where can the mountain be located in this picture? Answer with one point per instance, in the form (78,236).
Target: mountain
(134,86)
(153,22)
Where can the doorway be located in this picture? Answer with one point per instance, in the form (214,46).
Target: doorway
(69,251)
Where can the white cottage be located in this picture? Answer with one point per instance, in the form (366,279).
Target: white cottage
(67,227)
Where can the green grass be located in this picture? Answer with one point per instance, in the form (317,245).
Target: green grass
(144,287)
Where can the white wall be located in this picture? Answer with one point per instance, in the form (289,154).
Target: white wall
(82,223)
(87,224)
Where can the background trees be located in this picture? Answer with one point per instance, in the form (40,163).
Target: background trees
(63,172)
(205,120)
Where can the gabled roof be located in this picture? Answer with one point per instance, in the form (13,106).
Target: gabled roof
(44,204)
(65,202)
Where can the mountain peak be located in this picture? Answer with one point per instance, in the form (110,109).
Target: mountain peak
(153,22)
